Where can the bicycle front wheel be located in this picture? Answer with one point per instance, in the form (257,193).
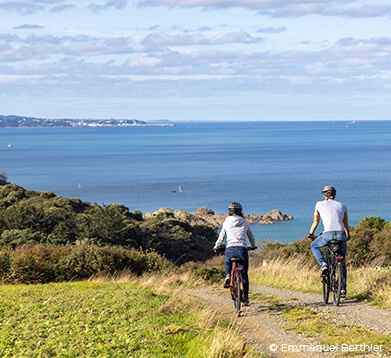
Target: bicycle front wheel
(237,300)
(337,285)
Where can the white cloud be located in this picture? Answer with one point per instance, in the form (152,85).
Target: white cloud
(62,8)
(29,27)
(24,8)
(278,8)
(16,48)
(28,7)
(153,53)
(116,4)
(162,39)
(271,30)
(274,8)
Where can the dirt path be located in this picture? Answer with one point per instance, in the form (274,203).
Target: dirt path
(265,330)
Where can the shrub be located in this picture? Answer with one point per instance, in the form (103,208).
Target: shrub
(30,264)
(138,215)
(373,223)
(42,217)
(176,239)
(17,237)
(205,232)
(109,225)
(47,194)
(48,263)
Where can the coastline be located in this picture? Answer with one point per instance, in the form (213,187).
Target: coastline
(15,121)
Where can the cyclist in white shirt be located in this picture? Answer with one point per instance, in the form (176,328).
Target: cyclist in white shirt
(334,217)
(237,229)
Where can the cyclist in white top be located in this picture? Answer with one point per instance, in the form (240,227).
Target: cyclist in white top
(334,217)
(237,229)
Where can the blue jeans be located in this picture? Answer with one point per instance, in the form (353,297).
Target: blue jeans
(242,252)
(322,240)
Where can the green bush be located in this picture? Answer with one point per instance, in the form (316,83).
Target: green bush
(138,215)
(176,239)
(18,237)
(28,217)
(373,223)
(30,264)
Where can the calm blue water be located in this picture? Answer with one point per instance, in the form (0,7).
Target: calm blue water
(263,165)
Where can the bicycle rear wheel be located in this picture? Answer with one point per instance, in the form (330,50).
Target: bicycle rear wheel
(337,285)
(326,289)
(237,300)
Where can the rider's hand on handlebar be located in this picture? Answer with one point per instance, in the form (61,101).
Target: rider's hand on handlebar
(311,237)
(220,248)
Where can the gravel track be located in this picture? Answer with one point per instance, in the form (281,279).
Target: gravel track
(263,329)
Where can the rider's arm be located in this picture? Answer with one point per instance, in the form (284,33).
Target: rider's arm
(251,237)
(346,225)
(315,223)
(220,239)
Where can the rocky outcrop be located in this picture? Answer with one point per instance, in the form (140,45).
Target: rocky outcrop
(274,215)
(205,216)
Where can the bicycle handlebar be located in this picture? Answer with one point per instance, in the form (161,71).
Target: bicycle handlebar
(222,248)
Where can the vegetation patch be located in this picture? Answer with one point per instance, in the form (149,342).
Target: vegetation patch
(95,319)
(29,218)
(49,263)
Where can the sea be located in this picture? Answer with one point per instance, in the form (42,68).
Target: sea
(262,165)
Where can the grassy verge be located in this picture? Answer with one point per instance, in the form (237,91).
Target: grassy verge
(314,323)
(147,318)
(372,284)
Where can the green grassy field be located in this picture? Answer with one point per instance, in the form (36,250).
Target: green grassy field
(92,319)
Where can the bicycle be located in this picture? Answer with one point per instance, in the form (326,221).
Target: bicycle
(236,284)
(332,282)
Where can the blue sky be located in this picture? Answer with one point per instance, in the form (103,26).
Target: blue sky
(196,59)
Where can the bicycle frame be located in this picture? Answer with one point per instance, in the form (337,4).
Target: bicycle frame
(236,272)
(236,283)
(236,286)
(332,282)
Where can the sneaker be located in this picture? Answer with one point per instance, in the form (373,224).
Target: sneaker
(227,281)
(246,303)
(324,270)
(343,293)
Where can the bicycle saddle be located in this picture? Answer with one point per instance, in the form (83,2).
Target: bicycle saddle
(334,242)
(236,259)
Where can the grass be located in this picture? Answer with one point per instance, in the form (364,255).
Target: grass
(372,284)
(152,317)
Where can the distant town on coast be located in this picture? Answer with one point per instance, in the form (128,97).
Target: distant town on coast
(14,121)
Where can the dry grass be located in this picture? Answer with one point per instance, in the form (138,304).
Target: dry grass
(369,283)
(372,284)
(294,274)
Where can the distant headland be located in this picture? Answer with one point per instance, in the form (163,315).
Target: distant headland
(14,121)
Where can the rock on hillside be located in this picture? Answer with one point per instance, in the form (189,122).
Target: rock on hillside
(205,216)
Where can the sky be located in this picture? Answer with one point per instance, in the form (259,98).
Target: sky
(186,60)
